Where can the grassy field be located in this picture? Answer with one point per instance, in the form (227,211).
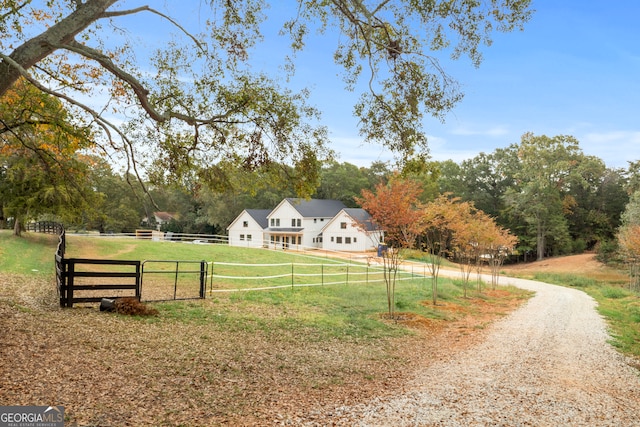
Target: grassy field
(234,358)
(32,255)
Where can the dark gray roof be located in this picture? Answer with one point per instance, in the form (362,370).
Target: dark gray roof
(260,216)
(316,208)
(362,217)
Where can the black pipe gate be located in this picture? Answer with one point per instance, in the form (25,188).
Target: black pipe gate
(176,273)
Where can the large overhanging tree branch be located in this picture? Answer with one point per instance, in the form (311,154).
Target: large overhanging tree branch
(37,48)
(203,87)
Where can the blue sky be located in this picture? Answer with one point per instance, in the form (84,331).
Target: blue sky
(574,70)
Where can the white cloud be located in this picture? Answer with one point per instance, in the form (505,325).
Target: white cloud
(618,137)
(353,150)
(615,148)
(494,131)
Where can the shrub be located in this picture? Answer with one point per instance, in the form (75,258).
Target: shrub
(614,293)
(607,251)
(579,246)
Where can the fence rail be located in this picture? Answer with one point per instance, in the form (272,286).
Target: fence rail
(48,227)
(224,276)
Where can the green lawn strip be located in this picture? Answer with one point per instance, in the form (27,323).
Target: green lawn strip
(324,312)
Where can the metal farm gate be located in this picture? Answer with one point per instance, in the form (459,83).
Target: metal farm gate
(164,280)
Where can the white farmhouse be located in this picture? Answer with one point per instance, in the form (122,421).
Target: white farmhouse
(297,223)
(305,224)
(352,229)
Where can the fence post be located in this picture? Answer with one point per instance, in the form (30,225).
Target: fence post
(203,278)
(70,274)
(211,283)
(175,283)
(61,279)
(138,281)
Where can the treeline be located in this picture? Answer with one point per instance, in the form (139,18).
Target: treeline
(545,190)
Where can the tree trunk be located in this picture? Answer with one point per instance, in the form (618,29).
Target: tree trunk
(34,50)
(541,242)
(17,227)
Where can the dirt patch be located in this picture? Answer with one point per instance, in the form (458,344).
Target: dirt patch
(582,264)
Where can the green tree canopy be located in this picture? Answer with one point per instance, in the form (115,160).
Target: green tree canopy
(547,170)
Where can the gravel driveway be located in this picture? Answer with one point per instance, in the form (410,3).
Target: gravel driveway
(546,364)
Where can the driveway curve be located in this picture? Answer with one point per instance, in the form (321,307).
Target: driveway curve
(546,364)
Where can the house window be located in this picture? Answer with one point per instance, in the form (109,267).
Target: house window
(347,240)
(355,239)
(248,237)
(299,222)
(331,239)
(242,237)
(299,240)
(339,240)
(245,223)
(343,225)
(277,222)
(273,222)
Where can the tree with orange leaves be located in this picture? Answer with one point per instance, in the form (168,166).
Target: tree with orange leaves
(438,223)
(459,230)
(469,228)
(41,165)
(498,245)
(629,238)
(395,209)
